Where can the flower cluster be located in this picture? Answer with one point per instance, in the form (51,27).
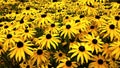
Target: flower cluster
(59,34)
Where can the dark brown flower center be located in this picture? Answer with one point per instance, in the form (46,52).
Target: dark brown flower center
(9,36)
(21,21)
(66,17)
(27,8)
(6,27)
(112,26)
(94,41)
(76,21)
(48,36)
(1,25)
(52,25)
(68,26)
(43,15)
(97,17)
(16,12)
(60,54)
(100,61)
(68,63)
(117,18)
(82,48)
(20,44)
(81,16)
(26,30)
(39,52)
(92,27)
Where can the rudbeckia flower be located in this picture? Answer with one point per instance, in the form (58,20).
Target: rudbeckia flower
(115,47)
(42,19)
(40,56)
(53,28)
(106,51)
(48,40)
(111,30)
(93,28)
(27,64)
(10,40)
(22,23)
(98,62)
(20,49)
(69,29)
(82,52)
(59,55)
(46,64)
(93,41)
(27,33)
(113,63)
(6,28)
(67,63)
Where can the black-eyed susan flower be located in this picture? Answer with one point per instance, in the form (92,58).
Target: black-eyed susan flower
(46,65)
(48,40)
(69,29)
(27,64)
(110,30)
(112,62)
(10,40)
(82,52)
(115,47)
(59,55)
(22,23)
(98,62)
(7,27)
(53,28)
(20,49)
(94,41)
(40,56)
(43,19)
(93,28)
(27,33)
(106,51)
(67,63)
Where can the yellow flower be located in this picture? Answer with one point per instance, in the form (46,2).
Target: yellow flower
(82,52)
(52,28)
(48,40)
(106,51)
(98,62)
(42,19)
(59,55)
(40,56)
(27,33)
(67,63)
(10,39)
(27,64)
(110,29)
(93,41)
(20,49)
(6,28)
(115,47)
(70,29)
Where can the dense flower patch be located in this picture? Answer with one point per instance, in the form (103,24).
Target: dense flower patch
(59,34)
